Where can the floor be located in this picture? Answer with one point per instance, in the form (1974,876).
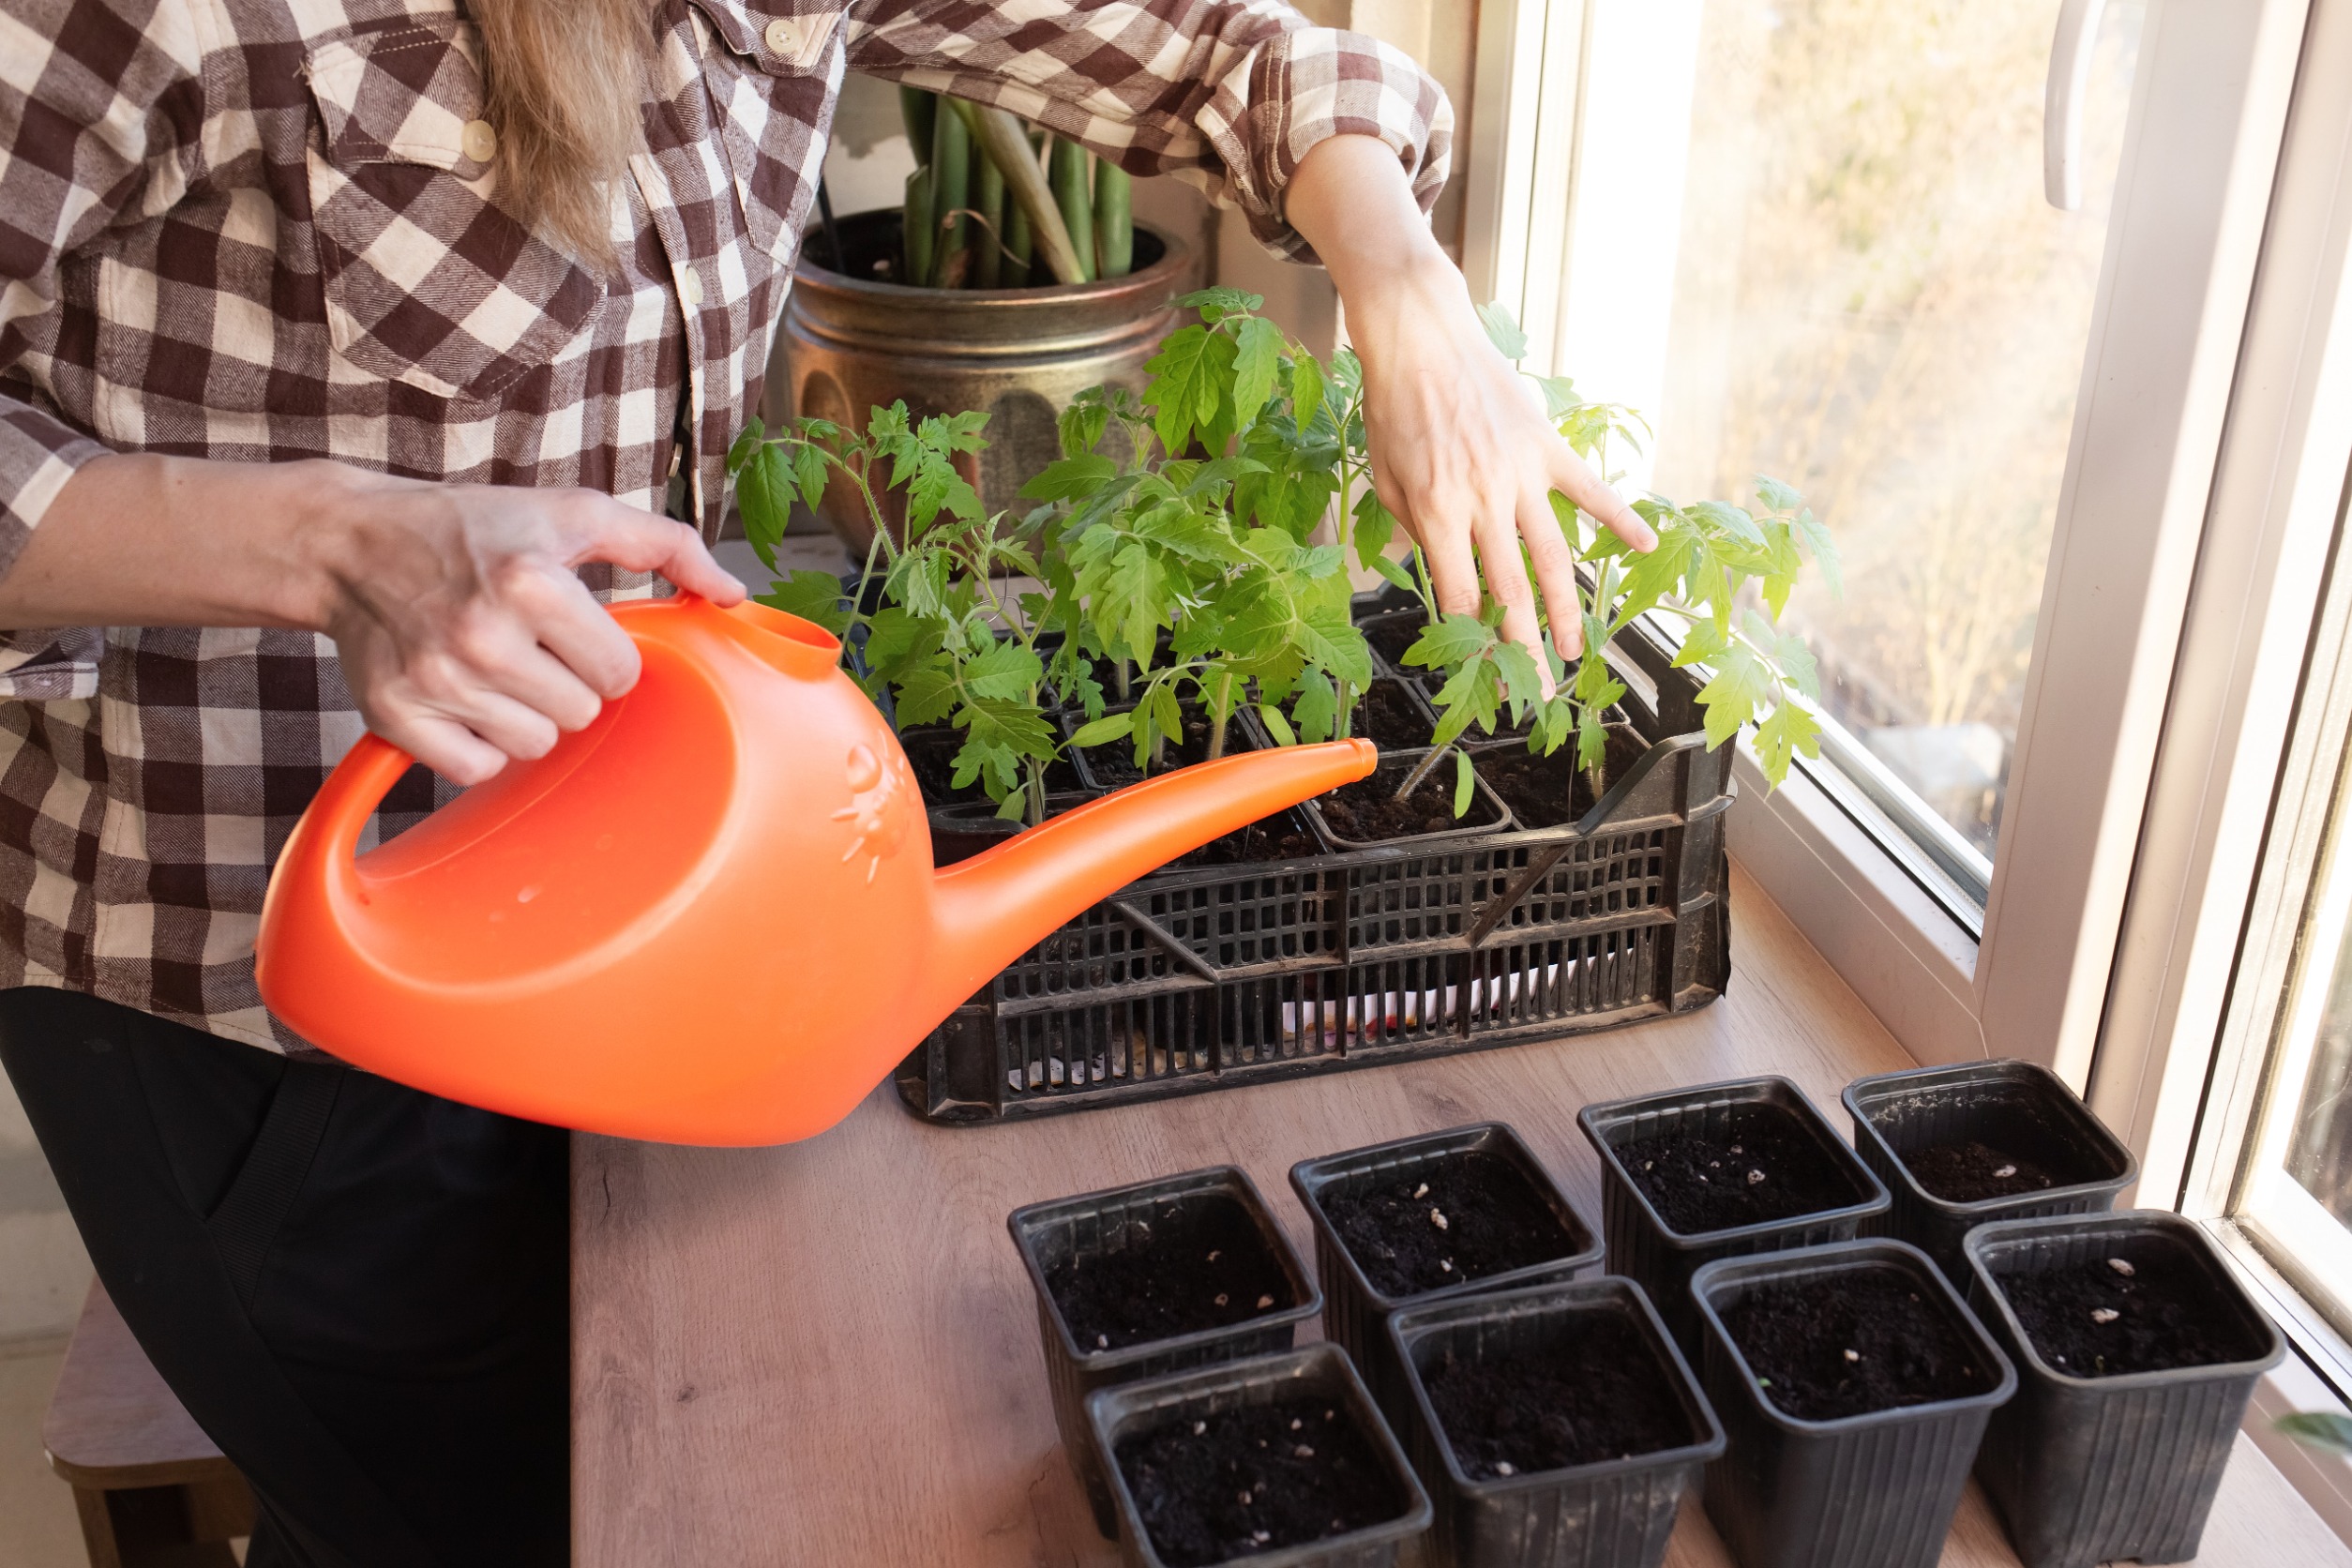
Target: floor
(38,1529)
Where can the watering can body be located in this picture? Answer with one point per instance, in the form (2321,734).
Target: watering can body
(710,917)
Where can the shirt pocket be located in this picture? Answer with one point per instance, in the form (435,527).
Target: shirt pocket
(772,71)
(427,280)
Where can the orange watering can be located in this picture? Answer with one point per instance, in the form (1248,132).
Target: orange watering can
(709,917)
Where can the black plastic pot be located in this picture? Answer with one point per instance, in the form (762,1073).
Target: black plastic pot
(2085,1470)
(1355,1311)
(1486,813)
(1644,1248)
(2016,1105)
(1616,1513)
(1312,1371)
(1121,1220)
(1866,1491)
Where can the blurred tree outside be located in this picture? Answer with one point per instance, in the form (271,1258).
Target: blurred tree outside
(1874,301)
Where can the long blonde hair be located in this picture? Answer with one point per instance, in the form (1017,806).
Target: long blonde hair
(566,81)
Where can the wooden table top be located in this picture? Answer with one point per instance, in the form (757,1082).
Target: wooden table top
(828,1353)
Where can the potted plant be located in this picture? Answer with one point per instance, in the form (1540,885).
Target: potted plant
(1555,1425)
(2136,1351)
(1150,1279)
(1721,1170)
(997,287)
(1853,1387)
(1178,596)
(1963,1145)
(1281,1461)
(1427,1218)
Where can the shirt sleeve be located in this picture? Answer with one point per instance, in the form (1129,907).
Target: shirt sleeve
(1228,97)
(93,96)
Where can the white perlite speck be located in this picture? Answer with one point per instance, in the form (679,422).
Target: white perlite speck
(2121,1266)
(1853,1355)
(1504,1467)
(2005,1173)
(1437,1217)
(2105,1313)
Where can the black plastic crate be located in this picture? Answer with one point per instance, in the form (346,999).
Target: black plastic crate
(2017,1106)
(1198,977)
(1356,1311)
(1877,1490)
(1311,1371)
(2082,1471)
(1115,1220)
(1610,1514)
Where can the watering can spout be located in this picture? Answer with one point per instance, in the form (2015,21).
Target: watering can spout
(996,906)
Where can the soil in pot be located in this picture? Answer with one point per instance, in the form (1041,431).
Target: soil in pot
(1857,1342)
(1282,836)
(1389,718)
(1390,638)
(1213,1487)
(933,756)
(1552,792)
(1462,1217)
(1765,1166)
(1596,1396)
(1971,1170)
(1368,811)
(1207,1274)
(2094,1319)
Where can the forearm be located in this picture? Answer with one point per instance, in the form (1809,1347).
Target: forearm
(142,539)
(1352,201)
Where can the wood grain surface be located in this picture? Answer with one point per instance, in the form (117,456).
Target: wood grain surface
(828,1353)
(111,1421)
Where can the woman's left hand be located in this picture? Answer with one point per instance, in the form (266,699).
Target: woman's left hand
(1461,452)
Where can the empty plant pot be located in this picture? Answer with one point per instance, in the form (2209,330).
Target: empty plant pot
(1555,1426)
(1426,1218)
(1961,1146)
(1853,1387)
(1282,1461)
(1152,1278)
(1722,1171)
(2132,1382)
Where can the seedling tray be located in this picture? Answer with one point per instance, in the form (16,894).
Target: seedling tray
(1197,978)
(2017,1107)
(2083,1470)
(1875,1490)
(1320,1372)
(1095,1223)
(1355,1310)
(1611,1514)
(1644,1248)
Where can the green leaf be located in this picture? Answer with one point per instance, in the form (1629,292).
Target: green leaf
(1070,478)
(754,433)
(2318,1429)
(1731,520)
(1218,302)
(1306,390)
(1102,732)
(1816,533)
(1501,330)
(1082,424)
(1190,377)
(1741,686)
(926,695)
(1375,525)
(812,596)
(1257,357)
(1465,783)
(1559,397)
(1394,572)
(1317,707)
(1007,671)
(809,468)
(1777,496)
(764,493)
(1276,726)
(1452,641)
(1704,642)
(1593,740)
(1791,730)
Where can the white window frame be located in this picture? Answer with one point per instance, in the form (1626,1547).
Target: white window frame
(2207,121)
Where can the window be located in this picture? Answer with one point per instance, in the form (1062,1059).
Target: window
(1810,239)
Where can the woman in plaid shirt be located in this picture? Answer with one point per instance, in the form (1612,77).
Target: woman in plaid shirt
(349,351)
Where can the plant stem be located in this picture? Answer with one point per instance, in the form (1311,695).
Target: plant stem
(1421,770)
(1114,220)
(1076,203)
(988,199)
(1015,159)
(1220,713)
(1036,812)
(1344,727)
(951,190)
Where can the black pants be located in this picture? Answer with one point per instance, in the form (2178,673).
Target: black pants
(358,1290)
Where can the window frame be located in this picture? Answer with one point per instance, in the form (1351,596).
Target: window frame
(2206,125)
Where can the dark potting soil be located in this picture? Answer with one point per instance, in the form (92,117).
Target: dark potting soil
(1390,639)
(1599,1394)
(1766,1167)
(2094,1320)
(1368,810)
(1972,1171)
(1281,836)
(1216,1487)
(1550,792)
(1852,1343)
(1465,1216)
(1389,718)
(1202,1265)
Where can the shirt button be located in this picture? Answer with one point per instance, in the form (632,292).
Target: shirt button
(783,36)
(691,289)
(479,141)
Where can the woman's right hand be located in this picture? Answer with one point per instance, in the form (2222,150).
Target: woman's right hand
(466,637)
(465,633)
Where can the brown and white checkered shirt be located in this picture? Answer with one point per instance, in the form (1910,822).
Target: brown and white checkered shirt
(262,230)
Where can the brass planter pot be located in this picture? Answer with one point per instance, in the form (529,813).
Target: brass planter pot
(850,344)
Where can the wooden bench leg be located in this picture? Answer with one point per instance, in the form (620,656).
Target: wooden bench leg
(164,1527)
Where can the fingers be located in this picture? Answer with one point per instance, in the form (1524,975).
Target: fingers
(1555,562)
(642,542)
(1574,478)
(566,619)
(1498,537)
(445,745)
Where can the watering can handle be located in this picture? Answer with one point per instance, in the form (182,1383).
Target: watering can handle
(351,794)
